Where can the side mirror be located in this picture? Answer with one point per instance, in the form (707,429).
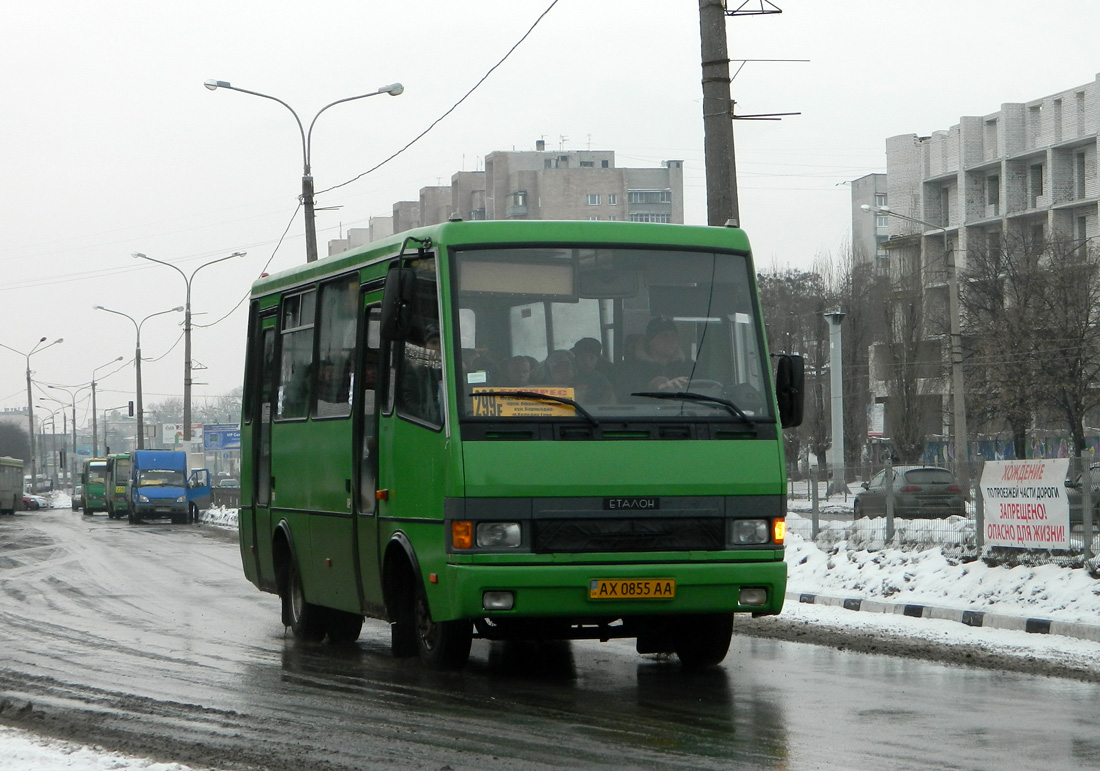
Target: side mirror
(790,383)
(397,303)
(865,485)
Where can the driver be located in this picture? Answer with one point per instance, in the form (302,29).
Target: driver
(658,362)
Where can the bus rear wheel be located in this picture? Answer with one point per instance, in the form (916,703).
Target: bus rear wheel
(704,640)
(440,644)
(343,627)
(307,621)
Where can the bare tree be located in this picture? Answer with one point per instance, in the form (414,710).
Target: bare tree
(1002,301)
(1069,352)
(14,442)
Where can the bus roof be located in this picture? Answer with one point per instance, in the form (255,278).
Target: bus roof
(513,231)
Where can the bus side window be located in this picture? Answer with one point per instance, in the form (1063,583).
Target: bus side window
(418,390)
(296,370)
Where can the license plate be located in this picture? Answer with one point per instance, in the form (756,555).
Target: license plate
(632,589)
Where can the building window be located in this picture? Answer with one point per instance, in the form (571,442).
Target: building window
(604,164)
(588,164)
(649,196)
(1035,185)
(880,199)
(592,199)
(593,218)
(1082,229)
(612,199)
(882,221)
(1079,175)
(993,195)
(650,218)
(612,218)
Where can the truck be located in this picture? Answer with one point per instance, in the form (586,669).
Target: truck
(161,487)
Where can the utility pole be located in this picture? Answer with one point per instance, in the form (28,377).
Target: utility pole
(836,401)
(721,167)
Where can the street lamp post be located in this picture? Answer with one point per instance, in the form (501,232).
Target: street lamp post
(137,363)
(393,89)
(95,427)
(30,398)
(72,399)
(187,335)
(962,444)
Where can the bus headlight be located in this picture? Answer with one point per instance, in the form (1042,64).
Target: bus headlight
(745,532)
(498,535)
(181,499)
(752,596)
(143,499)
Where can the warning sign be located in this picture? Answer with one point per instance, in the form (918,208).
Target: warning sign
(1025,503)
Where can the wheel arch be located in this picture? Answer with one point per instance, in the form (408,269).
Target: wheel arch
(400,567)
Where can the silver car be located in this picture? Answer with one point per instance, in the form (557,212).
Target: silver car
(927,492)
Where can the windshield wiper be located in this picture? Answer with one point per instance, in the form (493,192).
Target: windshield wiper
(688,396)
(541,397)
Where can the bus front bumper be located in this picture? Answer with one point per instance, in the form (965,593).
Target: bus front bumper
(602,591)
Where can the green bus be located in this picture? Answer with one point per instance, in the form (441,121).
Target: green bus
(94,478)
(117,485)
(518,430)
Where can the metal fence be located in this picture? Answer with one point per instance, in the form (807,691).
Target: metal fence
(821,511)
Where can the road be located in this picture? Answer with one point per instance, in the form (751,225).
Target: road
(148,640)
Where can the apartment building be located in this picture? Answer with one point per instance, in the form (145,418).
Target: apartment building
(539,184)
(1024,174)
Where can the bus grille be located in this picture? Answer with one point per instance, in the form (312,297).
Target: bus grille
(623,535)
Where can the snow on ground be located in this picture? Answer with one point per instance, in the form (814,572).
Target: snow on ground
(845,568)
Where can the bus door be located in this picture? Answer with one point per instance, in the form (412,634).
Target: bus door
(412,428)
(255,513)
(365,444)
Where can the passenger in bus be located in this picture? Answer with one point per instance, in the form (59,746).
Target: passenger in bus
(421,378)
(656,362)
(518,371)
(593,387)
(559,369)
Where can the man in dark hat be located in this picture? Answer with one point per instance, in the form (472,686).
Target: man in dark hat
(659,364)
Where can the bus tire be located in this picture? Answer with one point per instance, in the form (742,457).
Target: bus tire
(703,641)
(440,644)
(307,621)
(344,627)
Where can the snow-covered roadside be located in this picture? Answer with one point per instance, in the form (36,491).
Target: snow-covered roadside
(24,751)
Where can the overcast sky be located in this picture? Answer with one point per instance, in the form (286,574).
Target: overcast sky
(111,145)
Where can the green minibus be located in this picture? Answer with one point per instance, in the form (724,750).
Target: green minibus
(512,430)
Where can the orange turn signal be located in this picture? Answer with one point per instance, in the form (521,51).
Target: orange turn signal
(779,530)
(462,535)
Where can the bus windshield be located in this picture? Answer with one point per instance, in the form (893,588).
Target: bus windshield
(598,333)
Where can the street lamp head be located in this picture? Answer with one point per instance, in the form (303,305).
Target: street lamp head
(214,85)
(98,308)
(393,89)
(865,206)
(177,309)
(137,255)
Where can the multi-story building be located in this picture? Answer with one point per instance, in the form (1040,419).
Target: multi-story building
(1024,174)
(869,234)
(541,185)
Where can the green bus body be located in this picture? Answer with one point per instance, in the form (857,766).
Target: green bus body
(596,509)
(117,485)
(94,477)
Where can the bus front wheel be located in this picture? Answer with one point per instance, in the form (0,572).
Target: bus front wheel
(306,619)
(440,644)
(703,641)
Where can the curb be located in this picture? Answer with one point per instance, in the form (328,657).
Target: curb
(969,617)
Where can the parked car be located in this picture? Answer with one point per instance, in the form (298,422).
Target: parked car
(926,492)
(78,498)
(229,483)
(34,502)
(1074,492)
